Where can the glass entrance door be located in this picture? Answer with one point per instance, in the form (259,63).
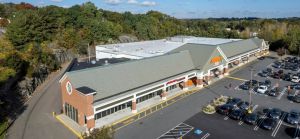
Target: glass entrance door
(71,112)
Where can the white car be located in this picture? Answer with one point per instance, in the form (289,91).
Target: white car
(262,89)
(295,79)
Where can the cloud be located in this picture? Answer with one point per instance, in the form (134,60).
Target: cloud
(113,2)
(132,2)
(148,3)
(57,0)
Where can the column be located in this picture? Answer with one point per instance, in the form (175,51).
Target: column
(207,79)
(241,62)
(185,84)
(90,122)
(221,70)
(164,94)
(225,70)
(133,106)
(200,82)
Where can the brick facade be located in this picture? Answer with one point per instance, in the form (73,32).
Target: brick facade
(83,103)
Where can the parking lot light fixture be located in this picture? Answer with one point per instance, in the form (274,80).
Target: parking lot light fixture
(251,85)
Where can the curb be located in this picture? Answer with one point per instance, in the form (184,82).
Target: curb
(71,129)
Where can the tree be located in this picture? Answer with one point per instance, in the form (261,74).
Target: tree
(19,31)
(6,73)
(293,40)
(68,38)
(103,133)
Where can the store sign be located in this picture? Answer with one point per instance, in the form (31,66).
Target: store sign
(175,80)
(69,88)
(216,60)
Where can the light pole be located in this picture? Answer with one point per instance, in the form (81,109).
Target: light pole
(250,96)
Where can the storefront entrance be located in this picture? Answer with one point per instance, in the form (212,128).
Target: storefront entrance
(215,73)
(71,112)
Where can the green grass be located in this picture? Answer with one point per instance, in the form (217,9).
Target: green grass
(3,126)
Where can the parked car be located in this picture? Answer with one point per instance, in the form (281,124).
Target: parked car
(263,73)
(275,113)
(296,98)
(237,114)
(295,86)
(234,101)
(269,70)
(274,92)
(244,105)
(247,84)
(269,123)
(295,79)
(278,66)
(280,72)
(267,83)
(294,68)
(286,67)
(262,89)
(225,109)
(251,118)
(293,117)
(275,75)
(287,77)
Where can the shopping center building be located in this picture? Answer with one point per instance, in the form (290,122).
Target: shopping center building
(92,94)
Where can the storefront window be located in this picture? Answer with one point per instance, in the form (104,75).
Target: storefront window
(71,112)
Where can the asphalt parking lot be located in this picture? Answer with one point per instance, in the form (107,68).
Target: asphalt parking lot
(188,112)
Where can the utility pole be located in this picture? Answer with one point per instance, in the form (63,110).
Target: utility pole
(89,52)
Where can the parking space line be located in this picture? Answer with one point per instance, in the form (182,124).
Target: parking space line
(278,125)
(178,131)
(297,132)
(281,93)
(274,86)
(238,86)
(296,92)
(260,122)
(253,92)
(205,136)
(270,65)
(254,107)
(226,118)
(241,122)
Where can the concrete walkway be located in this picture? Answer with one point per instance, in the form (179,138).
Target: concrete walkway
(71,125)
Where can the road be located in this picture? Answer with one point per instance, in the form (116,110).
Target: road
(37,122)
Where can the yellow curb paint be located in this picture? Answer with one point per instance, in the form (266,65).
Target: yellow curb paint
(71,129)
(236,78)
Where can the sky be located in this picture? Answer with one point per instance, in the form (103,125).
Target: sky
(190,8)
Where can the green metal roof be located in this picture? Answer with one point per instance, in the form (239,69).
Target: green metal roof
(235,48)
(119,78)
